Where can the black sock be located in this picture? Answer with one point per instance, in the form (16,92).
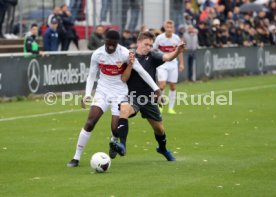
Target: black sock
(122,130)
(161,139)
(115,133)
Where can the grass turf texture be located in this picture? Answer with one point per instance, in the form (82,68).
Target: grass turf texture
(220,150)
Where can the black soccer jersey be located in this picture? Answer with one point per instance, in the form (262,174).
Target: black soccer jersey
(149,62)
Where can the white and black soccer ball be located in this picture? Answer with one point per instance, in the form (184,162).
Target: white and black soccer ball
(100,162)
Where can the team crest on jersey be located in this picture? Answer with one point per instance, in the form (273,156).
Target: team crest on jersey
(119,64)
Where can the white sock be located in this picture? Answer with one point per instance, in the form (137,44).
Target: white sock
(113,138)
(172,95)
(82,141)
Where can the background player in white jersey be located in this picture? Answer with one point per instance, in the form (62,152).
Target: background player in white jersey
(168,72)
(111,60)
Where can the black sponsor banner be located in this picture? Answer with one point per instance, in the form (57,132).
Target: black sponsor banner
(56,73)
(21,76)
(234,61)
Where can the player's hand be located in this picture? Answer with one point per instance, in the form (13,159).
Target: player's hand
(85,100)
(158,97)
(181,47)
(181,67)
(131,57)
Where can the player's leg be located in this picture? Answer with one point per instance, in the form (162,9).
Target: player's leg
(160,137)
(114,135)
(172,79)
(99,106)
(94,115)
(162,75)
(126,110)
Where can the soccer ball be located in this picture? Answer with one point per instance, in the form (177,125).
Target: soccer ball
(100,162)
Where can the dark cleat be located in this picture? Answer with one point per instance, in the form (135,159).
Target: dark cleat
(167,154)
(118,147)
(112,153)
(73,163)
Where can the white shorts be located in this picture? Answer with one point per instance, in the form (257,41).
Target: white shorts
(104,101)
(168,72)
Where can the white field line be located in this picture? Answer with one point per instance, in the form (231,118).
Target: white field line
(78,110)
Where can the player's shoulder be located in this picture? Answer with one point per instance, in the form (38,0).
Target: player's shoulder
(122,49)
(99,51)
(176,37)
(161,36)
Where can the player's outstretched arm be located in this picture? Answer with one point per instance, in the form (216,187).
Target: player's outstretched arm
(145,76)
(90,80)
(179,50)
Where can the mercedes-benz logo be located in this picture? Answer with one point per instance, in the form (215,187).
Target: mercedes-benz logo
(260,59)
(207,63)
(33,76)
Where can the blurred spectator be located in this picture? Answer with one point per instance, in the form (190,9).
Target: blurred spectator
(224,36)
(50,38)
(191,40)
(3,8)
(215,30)
(134,6)
(180,31)
(236,14)
(56,13)
(239,38)
(96,39)
(106,7)
(60,28)
(17,26)
(10,12)
(70,33)
(30,42)
(203,35)
(126,39)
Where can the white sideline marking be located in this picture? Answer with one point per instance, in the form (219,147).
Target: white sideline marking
(40,115)
(237,90)
(78,110)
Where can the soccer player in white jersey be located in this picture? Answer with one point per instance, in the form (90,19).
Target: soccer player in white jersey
(111,60)
(168,72)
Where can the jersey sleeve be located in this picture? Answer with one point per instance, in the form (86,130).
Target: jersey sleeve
(94,68)
(144,75)
(157,58)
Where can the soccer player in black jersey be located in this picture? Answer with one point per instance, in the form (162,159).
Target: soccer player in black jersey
(149,110)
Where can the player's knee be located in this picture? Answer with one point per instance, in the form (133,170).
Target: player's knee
(173,86)
(125,111)
(90,124)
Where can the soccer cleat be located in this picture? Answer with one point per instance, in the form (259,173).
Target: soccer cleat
(112,153)
(73,163)
(168,155)
(118,147)
(171,111)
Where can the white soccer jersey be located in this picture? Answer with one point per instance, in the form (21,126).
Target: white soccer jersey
(111,67)
(166,45)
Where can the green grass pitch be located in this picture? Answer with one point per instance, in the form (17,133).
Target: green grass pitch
(220,150)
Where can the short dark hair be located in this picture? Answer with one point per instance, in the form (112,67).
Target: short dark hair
(112,35)
(146,35)
(34,25)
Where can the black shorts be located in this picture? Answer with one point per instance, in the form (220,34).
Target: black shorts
(148,109)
